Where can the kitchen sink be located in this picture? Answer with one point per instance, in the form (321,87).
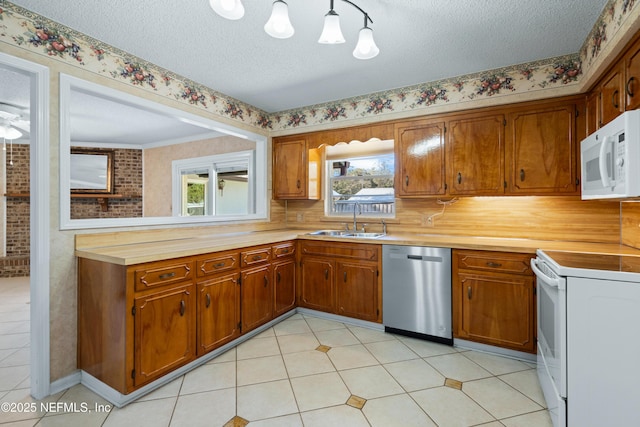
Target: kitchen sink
(344,233)
(328,233)
(365,235)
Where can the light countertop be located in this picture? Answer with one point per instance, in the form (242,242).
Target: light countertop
(137,253)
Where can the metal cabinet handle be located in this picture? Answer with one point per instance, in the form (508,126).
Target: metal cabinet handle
(628,87)
(218,265)
(326,274)
(613,98)
(521,174)
(208,299)
(459,178)
(278,276)
(167,275)
(183,307)
(469,292)
(266,280)
(345,277)
(494,264)
(298,184)
(406,180)
(257,257)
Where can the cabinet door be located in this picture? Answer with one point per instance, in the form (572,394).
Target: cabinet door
(316,284)
(476,155)
(593,112)
(611,96)
(419,151)
(284,274)
(218,312)
(256,297)
(164,332)
(357,290)
(495,309)
(540,155)
(289,169)
(632,76)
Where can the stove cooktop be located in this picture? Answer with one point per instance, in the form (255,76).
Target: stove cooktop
(598,266)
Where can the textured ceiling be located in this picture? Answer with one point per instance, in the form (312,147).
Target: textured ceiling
(419,41)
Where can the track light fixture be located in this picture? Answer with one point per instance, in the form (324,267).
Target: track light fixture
(279,26)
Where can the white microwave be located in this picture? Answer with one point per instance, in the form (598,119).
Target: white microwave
(610,159)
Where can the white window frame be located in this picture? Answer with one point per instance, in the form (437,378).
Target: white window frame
(213,164)
(328,189)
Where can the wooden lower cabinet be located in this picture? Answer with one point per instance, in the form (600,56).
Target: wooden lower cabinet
(284,286)
(218,311)
(357,290)
(494,299)
(317,284)
(137,323)
(341,278)
(256,297)
(164,324)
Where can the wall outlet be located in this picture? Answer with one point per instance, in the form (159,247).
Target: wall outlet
(300,217)
(427,221)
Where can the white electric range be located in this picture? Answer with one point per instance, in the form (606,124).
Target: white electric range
(588,347)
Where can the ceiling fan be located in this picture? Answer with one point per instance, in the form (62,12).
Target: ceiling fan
(14,121)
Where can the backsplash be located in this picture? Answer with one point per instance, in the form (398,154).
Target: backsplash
(533,217)
(630,223)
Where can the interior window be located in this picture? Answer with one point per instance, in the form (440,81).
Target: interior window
(360,178)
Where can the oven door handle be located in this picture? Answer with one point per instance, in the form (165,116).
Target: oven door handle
(549,281)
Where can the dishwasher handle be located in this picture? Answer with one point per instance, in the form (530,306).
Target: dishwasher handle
(417,257)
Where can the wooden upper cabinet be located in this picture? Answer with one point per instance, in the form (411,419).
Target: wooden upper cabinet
(475,152)
(541,150)
(593,112)
(632,77)
(612,95)
(420,158)
(296,169)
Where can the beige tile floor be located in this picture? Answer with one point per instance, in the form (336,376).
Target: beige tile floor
(305,371)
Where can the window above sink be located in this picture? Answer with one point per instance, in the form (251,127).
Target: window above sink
(360,177)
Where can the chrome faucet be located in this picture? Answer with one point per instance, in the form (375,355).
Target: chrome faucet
(356,207)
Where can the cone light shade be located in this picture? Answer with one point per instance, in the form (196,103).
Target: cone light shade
(279,25)
(230,9)
(331,32)
(366,47)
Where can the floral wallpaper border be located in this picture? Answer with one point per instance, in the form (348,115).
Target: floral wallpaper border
(38,34)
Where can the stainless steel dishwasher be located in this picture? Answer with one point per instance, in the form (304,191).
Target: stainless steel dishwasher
(416,292)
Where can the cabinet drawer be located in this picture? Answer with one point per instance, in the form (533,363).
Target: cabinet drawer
(216,263)
(255,256)
(162,273)
(341,250)
(283,250)
(512,263)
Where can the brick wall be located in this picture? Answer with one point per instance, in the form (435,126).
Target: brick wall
(16,263)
